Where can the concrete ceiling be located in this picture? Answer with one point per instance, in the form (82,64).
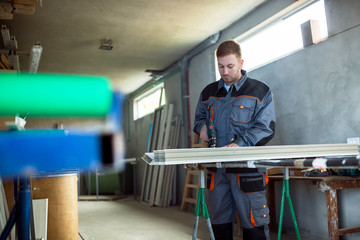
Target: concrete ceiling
(145,34)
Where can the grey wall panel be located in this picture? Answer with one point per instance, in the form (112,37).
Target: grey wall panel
(315,92)
(342,15)
(201,73)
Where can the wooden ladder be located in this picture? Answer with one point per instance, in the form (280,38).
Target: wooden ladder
(192,182)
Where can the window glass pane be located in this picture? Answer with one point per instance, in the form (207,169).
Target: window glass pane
(282,38)
(149,101)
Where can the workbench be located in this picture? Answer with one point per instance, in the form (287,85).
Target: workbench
(328,184)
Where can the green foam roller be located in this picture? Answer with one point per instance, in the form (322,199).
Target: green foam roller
(54,95)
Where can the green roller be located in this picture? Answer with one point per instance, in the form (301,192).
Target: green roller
(54,95)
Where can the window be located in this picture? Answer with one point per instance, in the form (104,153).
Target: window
(282,38)
(279,37)
(150,100)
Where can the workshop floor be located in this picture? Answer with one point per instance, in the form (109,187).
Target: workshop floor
(127,219)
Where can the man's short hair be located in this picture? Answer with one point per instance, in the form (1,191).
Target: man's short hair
(227,48)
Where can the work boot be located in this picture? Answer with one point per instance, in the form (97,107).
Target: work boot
(256,233)
(223,231)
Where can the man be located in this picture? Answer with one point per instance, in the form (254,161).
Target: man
(242,110)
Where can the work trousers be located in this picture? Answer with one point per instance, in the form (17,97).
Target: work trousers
(245,193)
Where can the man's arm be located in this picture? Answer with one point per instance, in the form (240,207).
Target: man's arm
(200,120)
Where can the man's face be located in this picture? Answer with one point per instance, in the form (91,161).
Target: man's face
(230,68)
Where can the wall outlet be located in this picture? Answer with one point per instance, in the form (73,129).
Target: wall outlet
(354,140)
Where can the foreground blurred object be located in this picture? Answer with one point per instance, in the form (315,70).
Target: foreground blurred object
(42,152)
(49,95)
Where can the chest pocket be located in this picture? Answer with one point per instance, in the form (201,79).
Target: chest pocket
(242,112)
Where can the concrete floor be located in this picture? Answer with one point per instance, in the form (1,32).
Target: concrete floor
(128,219)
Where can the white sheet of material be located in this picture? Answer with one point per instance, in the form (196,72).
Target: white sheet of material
(211,155)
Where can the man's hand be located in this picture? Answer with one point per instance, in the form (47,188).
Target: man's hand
(232,145)
(203,134)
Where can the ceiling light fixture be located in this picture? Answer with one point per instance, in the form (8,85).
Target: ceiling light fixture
(35,55)
(106,44)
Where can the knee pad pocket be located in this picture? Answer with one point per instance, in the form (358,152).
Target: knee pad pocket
(259,211)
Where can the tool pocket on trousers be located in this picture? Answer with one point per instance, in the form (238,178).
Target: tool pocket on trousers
(259,211)
(251,183)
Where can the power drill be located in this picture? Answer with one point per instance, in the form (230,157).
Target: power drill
(211,133)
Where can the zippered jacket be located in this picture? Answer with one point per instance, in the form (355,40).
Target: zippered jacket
(244,115)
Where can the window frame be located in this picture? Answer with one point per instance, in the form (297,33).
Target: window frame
(161,101)
(268,23)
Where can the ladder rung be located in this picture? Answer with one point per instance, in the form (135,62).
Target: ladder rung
(193,172)
(196,145)
(191,200)
(192,186)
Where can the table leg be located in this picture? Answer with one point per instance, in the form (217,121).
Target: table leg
(333,221)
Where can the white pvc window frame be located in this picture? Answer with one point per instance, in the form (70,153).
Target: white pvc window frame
(280,35)
(148,101)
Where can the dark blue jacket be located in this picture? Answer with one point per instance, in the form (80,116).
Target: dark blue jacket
(245,115)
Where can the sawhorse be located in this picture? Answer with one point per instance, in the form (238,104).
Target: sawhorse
(201,205)
(286,193)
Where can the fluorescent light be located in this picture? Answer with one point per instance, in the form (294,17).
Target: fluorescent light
(6,36)
(35,55)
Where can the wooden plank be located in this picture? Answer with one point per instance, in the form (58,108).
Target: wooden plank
(40,210)
(2,66)
(24,9)
(6,10)
(5,61)
(25,2)
(190,200)
(333,220)
(344,231)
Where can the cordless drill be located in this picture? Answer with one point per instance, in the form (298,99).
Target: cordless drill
(211,133)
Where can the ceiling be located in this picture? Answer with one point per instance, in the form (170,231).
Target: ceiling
(145,34)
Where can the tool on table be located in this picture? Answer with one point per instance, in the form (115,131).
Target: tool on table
(210,127)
